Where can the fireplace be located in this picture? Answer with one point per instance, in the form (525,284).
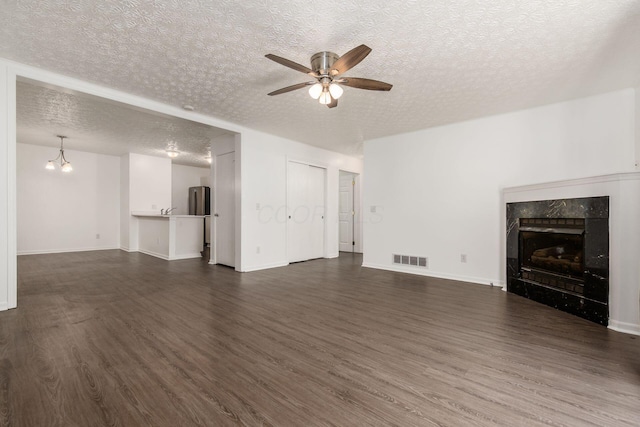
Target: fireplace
(558,254)
(552,252)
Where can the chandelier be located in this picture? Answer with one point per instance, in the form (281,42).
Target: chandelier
(65,165)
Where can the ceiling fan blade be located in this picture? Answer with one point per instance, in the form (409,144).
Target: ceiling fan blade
(333,103)
(350,60)
(290,88)
(291,64)
(361,83)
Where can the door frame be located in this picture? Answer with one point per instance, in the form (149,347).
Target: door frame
(213,257)
(357,206)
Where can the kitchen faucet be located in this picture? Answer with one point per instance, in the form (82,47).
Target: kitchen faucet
(168,211)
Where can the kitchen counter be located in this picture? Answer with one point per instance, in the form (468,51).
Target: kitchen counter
(157,215)
(170,237)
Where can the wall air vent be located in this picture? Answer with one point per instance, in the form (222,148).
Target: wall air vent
(412,260)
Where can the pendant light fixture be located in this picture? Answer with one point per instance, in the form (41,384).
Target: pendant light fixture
(65,165)
(172,150)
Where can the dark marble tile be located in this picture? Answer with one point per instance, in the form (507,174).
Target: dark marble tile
(596,284)
(596,243)
(588,207)
(591,310)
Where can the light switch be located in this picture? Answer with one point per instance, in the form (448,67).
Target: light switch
(373,209)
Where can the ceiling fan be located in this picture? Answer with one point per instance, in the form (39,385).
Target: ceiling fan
(327,69)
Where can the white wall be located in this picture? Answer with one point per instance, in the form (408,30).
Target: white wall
(223,144)
(183,177)
(64,212)
(637,128)
(149,183)
(437,192)
(149,190)
(264,182)
(125,211)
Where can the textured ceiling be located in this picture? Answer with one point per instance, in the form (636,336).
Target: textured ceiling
(97,125)
(448,60)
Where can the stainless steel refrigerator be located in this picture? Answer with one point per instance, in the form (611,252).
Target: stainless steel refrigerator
(199,200)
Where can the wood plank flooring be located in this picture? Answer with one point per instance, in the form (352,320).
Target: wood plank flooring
(119,339)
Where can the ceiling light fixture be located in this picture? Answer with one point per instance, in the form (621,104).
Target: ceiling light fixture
(315,91)
(65,166)
(325,97)
(335,90)
(172,150)
(208,157)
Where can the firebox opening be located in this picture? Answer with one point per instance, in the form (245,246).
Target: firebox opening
(558,253)
(552,253)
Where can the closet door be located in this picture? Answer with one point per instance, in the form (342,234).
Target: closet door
(298,231)
(306,211)
(316,199)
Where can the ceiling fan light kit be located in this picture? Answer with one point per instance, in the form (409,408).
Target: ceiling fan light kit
(326,67)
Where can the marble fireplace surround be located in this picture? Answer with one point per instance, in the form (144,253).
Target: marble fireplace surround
(586,297)
(623,191)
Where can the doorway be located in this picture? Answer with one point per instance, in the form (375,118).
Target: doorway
(348,212)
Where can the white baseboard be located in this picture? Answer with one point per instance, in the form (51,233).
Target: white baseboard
(122,248)
(186,256)
(333,255)
(264,266)
(4,306)
(154,254)
(60,251)
(422,272)
(167,258)
(624,327)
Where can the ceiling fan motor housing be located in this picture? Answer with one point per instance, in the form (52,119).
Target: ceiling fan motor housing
(322,62)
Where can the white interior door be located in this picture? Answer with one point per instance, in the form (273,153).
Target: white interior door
(298,232)
(225,210)
(306,211)
(316,200)
(346,212)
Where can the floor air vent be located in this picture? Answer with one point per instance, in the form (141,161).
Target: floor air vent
(416,261)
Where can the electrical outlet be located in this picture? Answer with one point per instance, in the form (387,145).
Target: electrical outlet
(97,236)
(463,257)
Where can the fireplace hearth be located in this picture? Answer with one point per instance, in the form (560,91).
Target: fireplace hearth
(558,254)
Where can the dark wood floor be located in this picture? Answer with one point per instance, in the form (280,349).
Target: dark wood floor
(111,338)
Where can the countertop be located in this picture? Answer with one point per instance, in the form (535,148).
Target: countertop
(157,215)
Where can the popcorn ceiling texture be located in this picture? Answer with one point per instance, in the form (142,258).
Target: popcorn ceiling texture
(96,125)
(448,61)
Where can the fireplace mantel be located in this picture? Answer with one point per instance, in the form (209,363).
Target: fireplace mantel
(623,191)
